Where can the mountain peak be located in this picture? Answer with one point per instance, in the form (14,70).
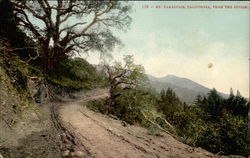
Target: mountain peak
(171,76)
(184,87)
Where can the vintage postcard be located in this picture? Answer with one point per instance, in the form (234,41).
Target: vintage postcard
(116,79)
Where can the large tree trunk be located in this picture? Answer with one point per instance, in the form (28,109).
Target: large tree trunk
(108,104)
(50,64)
(51,58)
(110,101)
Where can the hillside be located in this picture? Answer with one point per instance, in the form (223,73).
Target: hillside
(186,89)
(96,135)
(59,127)
(26,123)
(26,129)
(42,118)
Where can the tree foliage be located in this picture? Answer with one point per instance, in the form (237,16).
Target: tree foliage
(129,106)
(169,103)
(215,105)
(216,124)
(64,26)
(123,77)
(237,105)
(77,73)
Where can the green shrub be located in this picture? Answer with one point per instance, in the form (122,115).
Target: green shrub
(169,103)
(234,134)
(213,123)
(128,106)
(97,105)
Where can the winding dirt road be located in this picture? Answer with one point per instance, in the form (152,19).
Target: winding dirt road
(95,135)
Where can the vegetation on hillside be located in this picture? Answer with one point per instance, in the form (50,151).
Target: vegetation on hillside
(77,73)
(214,123)
(123,78)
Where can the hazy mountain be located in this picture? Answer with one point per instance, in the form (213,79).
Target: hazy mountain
(186,89)
(152,78)
(184,82)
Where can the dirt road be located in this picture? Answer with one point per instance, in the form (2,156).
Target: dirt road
(95,135)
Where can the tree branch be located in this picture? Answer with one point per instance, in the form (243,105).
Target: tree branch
(71,27)
(28,24)
(34,58)
(106,11)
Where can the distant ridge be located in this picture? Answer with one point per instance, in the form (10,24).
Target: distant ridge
(184,82)
(186,89)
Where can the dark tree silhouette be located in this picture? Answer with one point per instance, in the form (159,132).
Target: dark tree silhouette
(7,20)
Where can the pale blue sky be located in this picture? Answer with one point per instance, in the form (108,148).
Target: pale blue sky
(184,42)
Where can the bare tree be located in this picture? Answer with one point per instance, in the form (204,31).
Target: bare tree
(63,27)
